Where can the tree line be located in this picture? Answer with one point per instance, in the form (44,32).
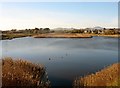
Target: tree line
(105,31)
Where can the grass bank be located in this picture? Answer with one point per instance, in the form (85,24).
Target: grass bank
(54,35)
(106,77)
(62,35)
(23,74)
(12,36)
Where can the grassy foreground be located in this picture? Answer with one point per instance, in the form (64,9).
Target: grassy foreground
(106,77)
(23,74)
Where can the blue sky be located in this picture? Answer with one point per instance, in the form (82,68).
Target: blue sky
(21,15)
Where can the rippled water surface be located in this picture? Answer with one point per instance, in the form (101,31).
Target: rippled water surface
(64,58)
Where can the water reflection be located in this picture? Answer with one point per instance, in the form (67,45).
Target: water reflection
(64,59)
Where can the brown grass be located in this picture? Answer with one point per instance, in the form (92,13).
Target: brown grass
(64,35)
(22,73)
(106,77)
(71,35)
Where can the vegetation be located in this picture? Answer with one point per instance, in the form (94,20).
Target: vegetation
(60,35)
(23,74)
(107,77)
(10,34)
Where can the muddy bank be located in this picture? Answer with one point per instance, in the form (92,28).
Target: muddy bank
(24,74)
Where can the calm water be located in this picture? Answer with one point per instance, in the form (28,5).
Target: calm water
(64,59)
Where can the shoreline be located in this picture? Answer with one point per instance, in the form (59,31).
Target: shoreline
(13,36)
(110,36)
(55,35)
(108,76)
(64,35)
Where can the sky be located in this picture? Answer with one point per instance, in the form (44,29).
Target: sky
(25,15)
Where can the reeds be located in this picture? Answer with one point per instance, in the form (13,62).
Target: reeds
(23,73)
(106,77)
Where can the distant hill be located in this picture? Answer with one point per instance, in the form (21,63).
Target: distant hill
(60,28)
(98,28)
